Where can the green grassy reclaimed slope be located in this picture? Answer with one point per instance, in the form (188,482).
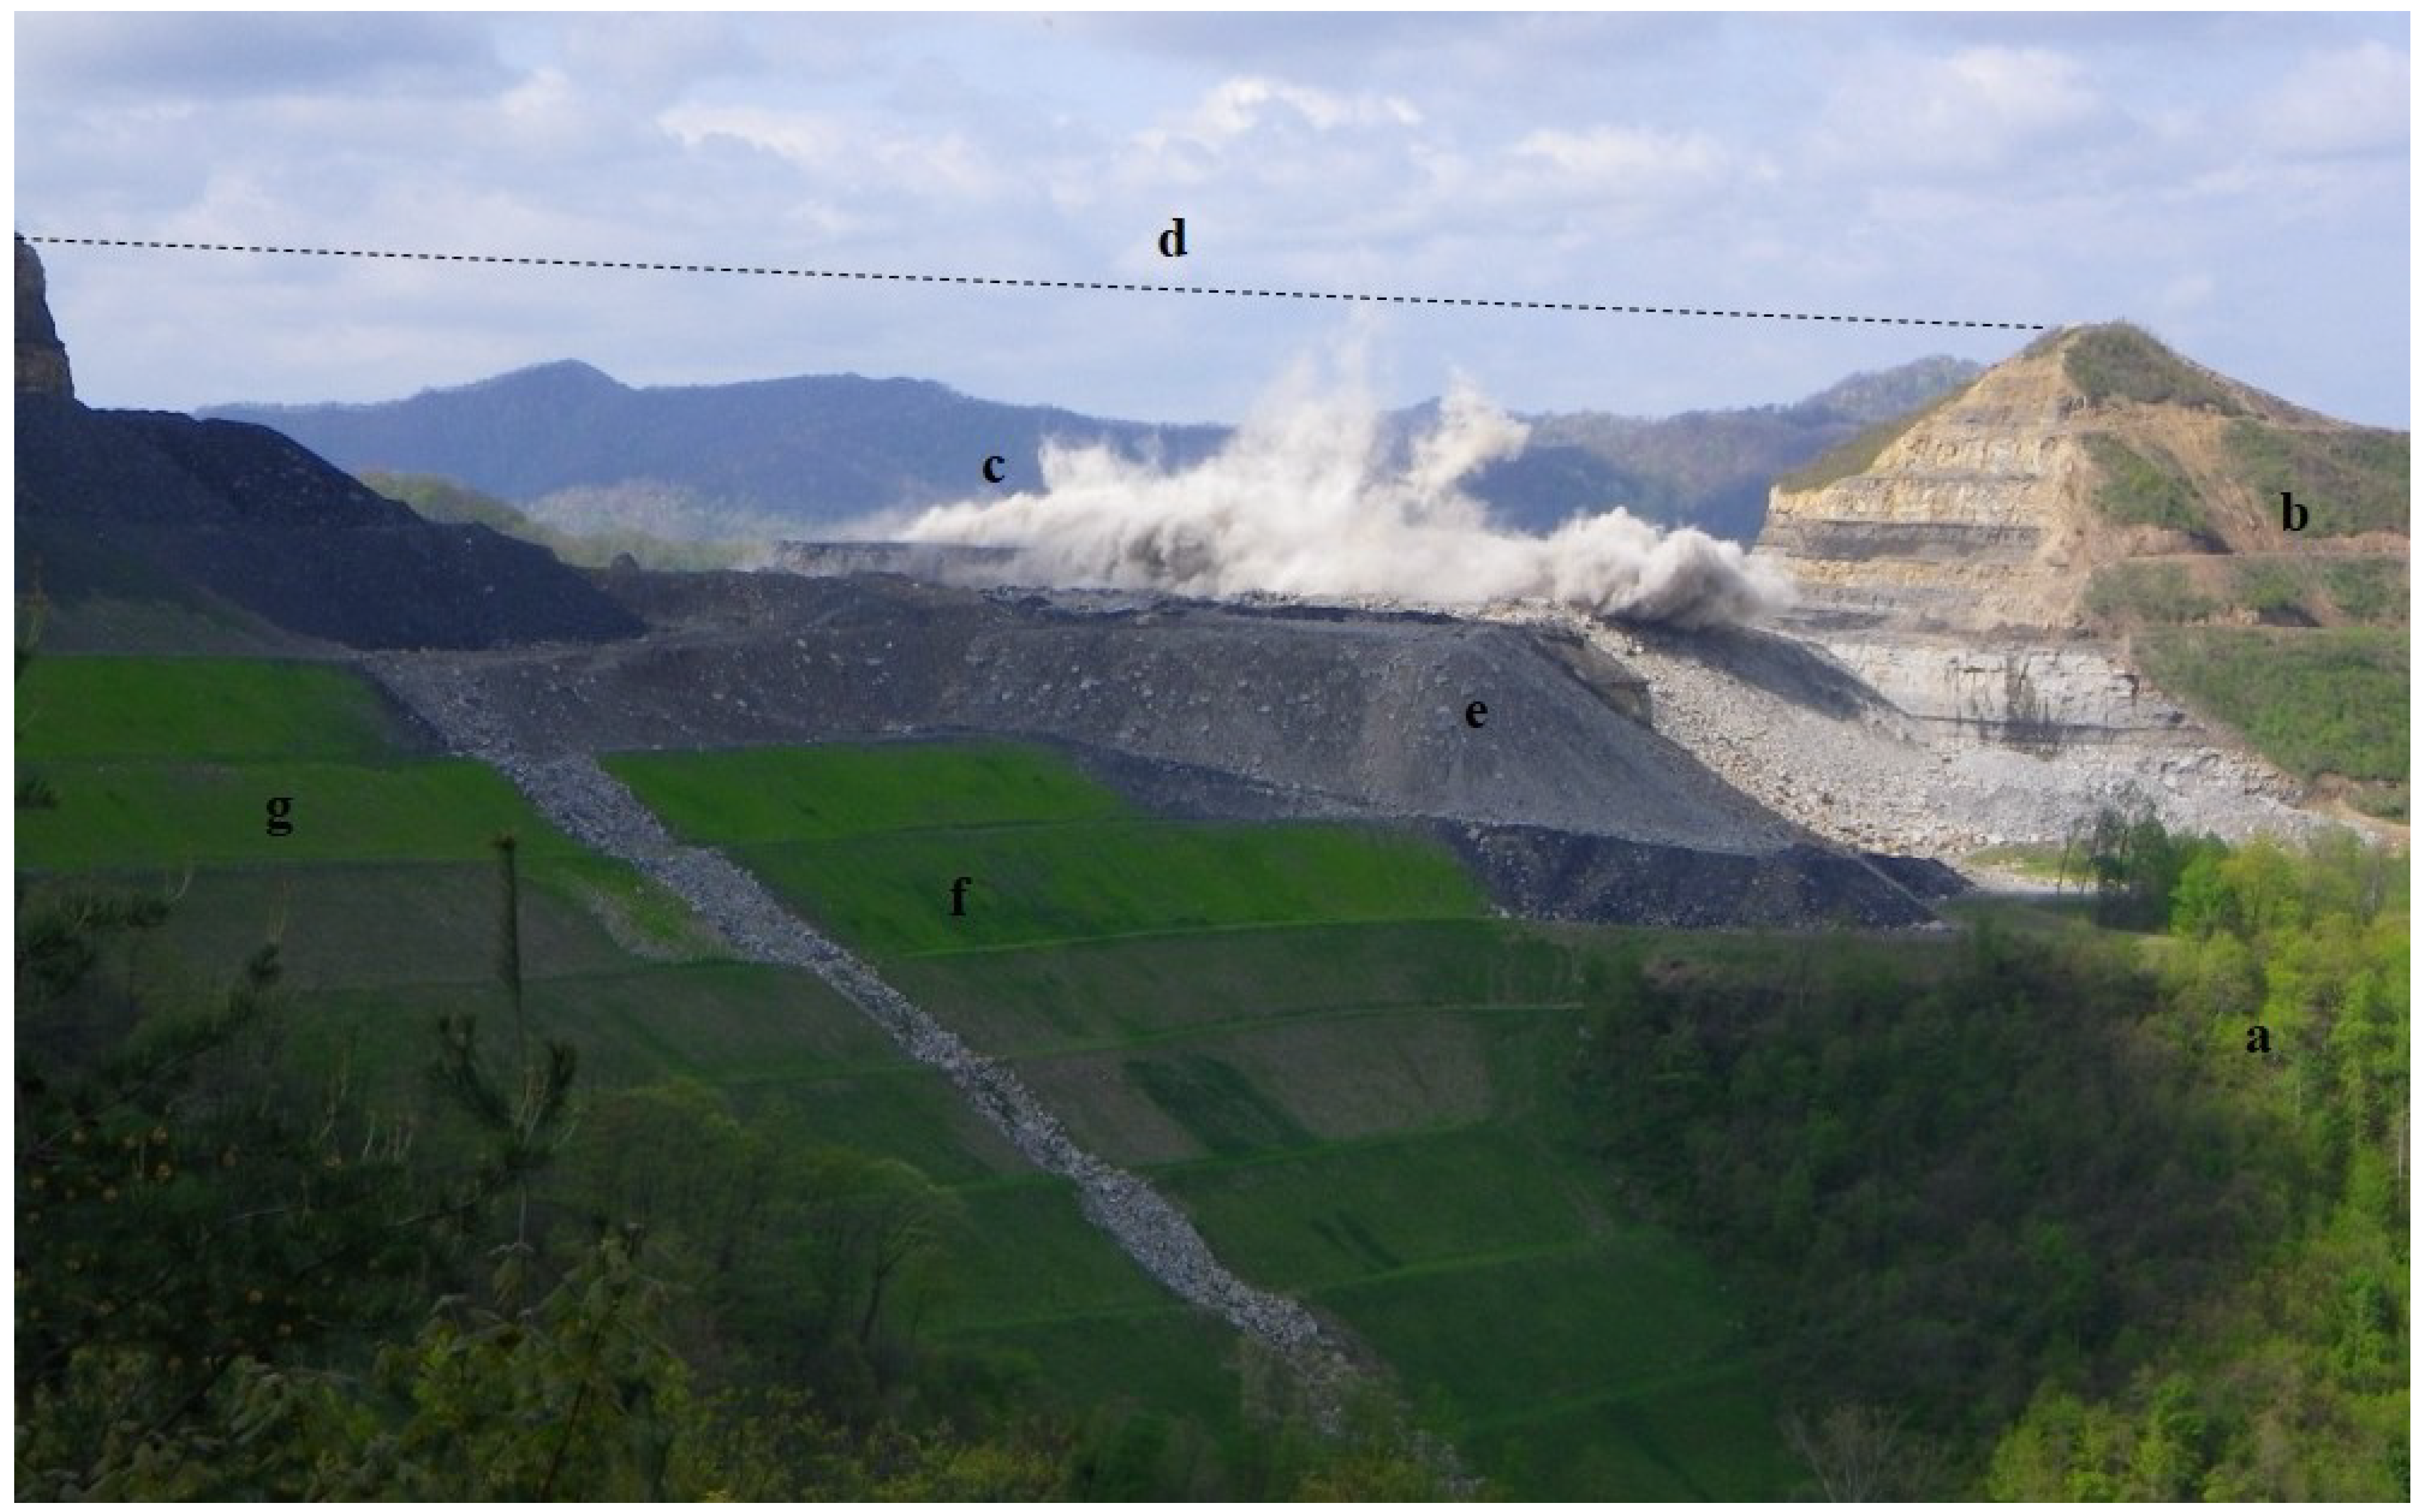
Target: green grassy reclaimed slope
(1393,1143)
(385,901)
(2311,700)
(816,792)
(868,841)
(166,813)
(1363,1113)
(162,764)
(104,708)
(2366,590)
(2348,481)
(2140,490)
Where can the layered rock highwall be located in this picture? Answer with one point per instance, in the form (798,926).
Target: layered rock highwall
(1972,519)
(2030,695)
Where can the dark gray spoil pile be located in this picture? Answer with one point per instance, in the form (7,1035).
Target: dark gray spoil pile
(1922,876)
(1363,710)
(1197,708)
(1548,874)
(167,507)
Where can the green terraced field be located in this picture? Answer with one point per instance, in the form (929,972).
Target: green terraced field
(104,708)
(867,840)
(1311,1039)
(1310,1035)
(1405,1165)
(158,813)
(168,763)
(385,899)
(810,792)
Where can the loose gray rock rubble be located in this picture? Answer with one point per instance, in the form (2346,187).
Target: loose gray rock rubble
(592,806)
(1900,746)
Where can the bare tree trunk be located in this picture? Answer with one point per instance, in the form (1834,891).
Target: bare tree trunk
(1855,1451)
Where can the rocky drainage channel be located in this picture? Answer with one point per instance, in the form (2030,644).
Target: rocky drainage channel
(590,805)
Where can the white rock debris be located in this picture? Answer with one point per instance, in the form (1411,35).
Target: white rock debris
(590,805)
(1801,726)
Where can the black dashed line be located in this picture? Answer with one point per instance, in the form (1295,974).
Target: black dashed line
(148,246)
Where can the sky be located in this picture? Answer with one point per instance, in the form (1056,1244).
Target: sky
(2237,183)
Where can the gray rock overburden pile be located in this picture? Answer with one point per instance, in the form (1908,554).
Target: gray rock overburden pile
(587,803)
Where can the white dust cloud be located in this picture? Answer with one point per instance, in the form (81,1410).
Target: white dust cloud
(1299,503)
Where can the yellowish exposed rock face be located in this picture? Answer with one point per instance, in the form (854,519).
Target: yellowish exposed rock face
(1974,518)
(1982,515)
(42,359)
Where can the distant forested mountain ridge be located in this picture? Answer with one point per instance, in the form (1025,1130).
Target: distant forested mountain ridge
(1710,469)
(576,449)
(794,452)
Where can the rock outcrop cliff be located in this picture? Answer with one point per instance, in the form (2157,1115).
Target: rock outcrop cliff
(42,357)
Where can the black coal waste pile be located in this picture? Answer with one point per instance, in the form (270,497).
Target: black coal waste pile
(108,497)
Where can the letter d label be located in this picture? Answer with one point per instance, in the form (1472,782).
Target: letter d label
(1172,240)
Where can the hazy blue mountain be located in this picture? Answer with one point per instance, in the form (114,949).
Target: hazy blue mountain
(573,447)
(806,450)
(1705,467)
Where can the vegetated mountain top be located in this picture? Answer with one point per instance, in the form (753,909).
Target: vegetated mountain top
(2097,444)
(576,450)
(1890,392)
(2100,482)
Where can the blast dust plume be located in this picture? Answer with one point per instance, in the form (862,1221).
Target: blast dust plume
(1299,503)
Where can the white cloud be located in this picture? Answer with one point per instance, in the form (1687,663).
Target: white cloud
(801,138)
(1628,160)
(875,158)
(1239,107)
(2352,101)
(2186,292)
(1973,111)
(2020,168)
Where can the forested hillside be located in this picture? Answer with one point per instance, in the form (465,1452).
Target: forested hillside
(2059,1213)
(445,503)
